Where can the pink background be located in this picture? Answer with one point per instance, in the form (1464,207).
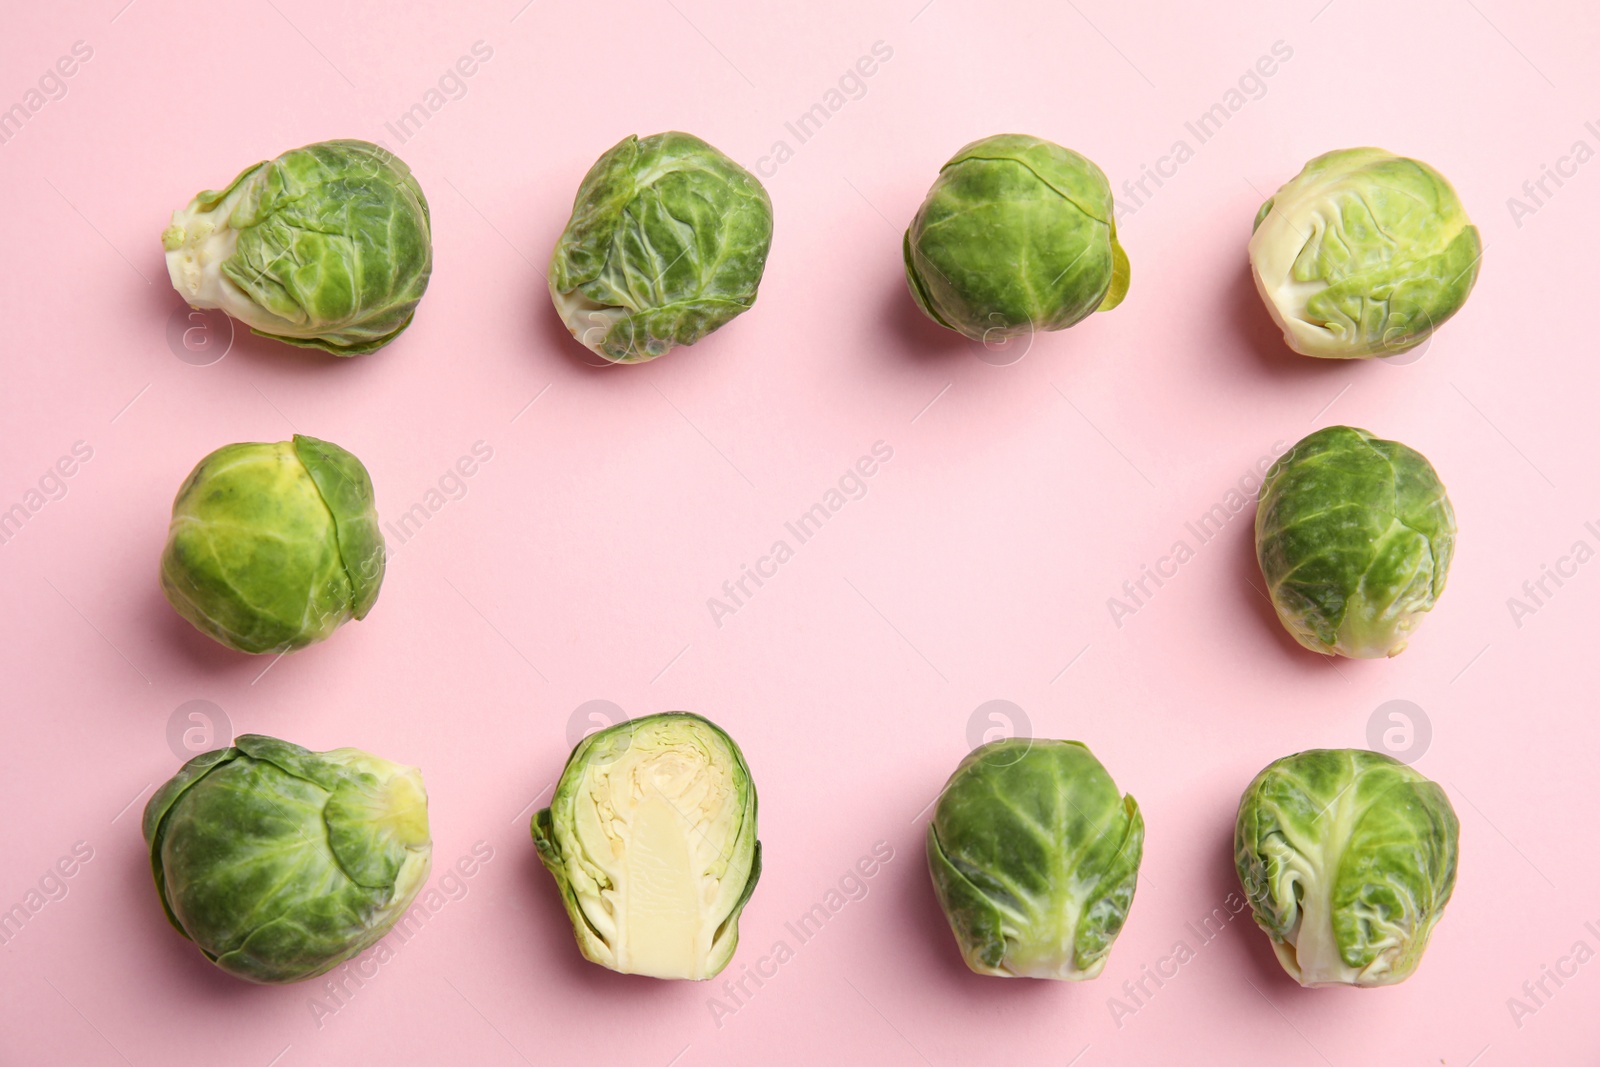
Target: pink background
(579,563)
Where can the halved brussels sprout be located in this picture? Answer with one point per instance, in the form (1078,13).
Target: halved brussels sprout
(1016,236)
(1035,858)
(651,837)
(274,546)
(1354,535)
(280,863)
(1348,859)
(327,246)
(667,242)
(1364,253)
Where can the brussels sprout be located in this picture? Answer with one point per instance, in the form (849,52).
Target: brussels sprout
(1348,859)
(1354,535)
(651,837)
(281,863)
(273,546)
(1035,857)
(327,246)
(1016,236)
(1364,254)
(667,242)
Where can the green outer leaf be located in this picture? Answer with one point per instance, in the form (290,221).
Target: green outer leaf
(1348,859)
(1354,535)
(976,920)
(597,214)
(1035,859)
(667,242)
(161,801)
(210,198)
(252,557)
(918,293)
(281,863)
(1016,235)
(293,760)
(347,490)
(1261,214)
(336,238)
(1111,897)
(1120,274)
(256,556)
(562,853)
(728,932)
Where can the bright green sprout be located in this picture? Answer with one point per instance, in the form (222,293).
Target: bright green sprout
(651,837)
(1354,535)
(667,242)
(280,863)
(1035,858)
(1016,236)
(1348,859)
(272,547)
(327,246)
(1365,253)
